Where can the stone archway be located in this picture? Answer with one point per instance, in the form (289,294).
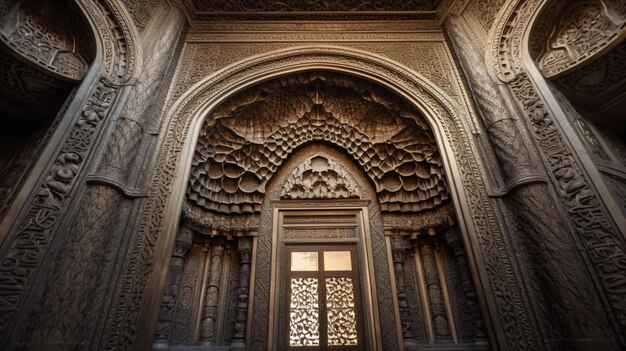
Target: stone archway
(496,285)
(42,207)
(246,161)
(596,218)
(43,59)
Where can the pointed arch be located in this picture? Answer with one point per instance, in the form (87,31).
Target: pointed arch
(489,258)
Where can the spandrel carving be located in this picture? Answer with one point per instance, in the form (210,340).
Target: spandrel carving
(250,135)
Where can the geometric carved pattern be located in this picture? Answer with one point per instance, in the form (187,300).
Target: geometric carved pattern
(247,138)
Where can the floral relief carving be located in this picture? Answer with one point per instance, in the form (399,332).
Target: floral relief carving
(599,77)
(577,31)
(319,177)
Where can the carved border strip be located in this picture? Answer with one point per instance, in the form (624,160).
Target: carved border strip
(593,226)
(311,36)
(506,291)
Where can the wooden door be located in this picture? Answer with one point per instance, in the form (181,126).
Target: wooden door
(323,310)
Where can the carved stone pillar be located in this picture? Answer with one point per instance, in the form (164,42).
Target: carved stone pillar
(244,249)
(472,323)
(436,301)
(170,297)
(398,252)
(212,293)
(517,163)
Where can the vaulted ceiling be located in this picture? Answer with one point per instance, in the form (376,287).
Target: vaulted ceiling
(246,139)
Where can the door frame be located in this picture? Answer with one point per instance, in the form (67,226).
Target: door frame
(363,250)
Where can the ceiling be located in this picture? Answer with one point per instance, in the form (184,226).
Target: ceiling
(317,10)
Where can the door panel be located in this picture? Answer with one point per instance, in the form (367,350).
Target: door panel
(323,309)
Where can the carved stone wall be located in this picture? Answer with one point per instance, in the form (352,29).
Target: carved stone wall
(507,291)
(42,57)
(582,53)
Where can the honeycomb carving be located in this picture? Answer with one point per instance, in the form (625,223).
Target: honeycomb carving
(247,138)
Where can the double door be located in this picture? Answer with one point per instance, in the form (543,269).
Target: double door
(323,302)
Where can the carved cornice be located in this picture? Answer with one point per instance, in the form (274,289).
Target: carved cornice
(418,224)
(317,27)
(307,6)
(311,36)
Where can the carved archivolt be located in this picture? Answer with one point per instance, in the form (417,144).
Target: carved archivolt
(248,137)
